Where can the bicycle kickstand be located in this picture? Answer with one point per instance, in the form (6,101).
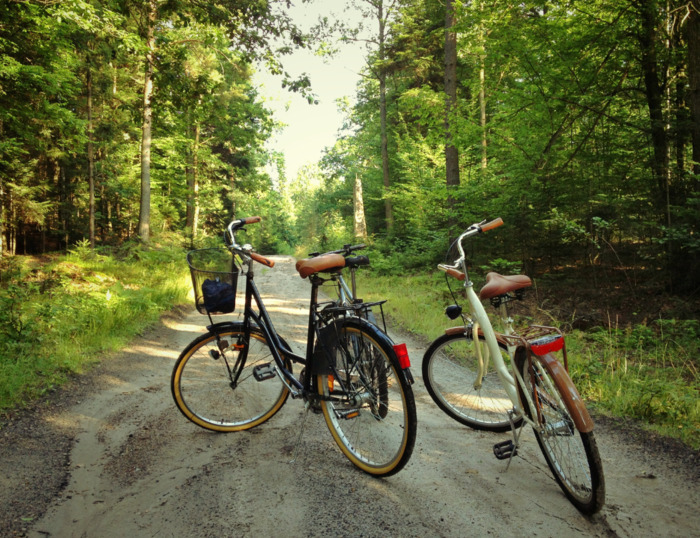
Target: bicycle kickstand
(307,406)
(508,449)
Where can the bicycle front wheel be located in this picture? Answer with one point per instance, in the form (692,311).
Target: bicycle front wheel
(215,387)
(466,388)
(367,403)
(571,455)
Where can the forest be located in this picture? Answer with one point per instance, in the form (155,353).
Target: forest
(131,130)
(577,122)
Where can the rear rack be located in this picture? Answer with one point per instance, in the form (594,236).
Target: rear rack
(358,308)
(540,340)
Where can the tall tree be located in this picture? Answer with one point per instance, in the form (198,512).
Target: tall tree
(360,224)
(648,37)
(451,151)
(144,230)
(692,33)
(382,13)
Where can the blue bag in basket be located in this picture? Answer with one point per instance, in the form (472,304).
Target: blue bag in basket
(219,297)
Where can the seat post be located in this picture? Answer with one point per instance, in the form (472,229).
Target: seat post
(311,334)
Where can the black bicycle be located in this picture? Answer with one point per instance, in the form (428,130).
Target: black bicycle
(240,373)
(347,302)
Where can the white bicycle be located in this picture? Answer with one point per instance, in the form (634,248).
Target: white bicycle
(499,381)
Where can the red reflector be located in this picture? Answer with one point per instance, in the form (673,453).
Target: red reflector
(402,354)
(546,345)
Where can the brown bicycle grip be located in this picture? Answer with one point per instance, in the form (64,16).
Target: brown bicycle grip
(459,275)
(262,259)
(251,220)
(491,225)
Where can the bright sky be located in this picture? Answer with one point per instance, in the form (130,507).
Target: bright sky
(310,128)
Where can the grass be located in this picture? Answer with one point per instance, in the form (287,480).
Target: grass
(646,372)
(58,315)
(416,303)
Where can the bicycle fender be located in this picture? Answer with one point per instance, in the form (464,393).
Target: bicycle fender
(223,326)
(323,358)
(573,401)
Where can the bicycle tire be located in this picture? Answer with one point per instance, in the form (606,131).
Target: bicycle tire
(366,401)
(202,388)
(450,373)
(571,455)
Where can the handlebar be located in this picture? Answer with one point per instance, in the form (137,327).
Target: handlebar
(459,275)
(345,251)
(495,223)
(236,225)
(356,261)
(458,270)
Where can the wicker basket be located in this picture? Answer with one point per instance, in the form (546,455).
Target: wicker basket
(215,279)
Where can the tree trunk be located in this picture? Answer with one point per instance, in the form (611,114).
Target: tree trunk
(359,207)
(2,206)
(91,161)
(648,37)
(482,107)
(482,94)
(2,217)
(692,32)
(388,208)
(232,183)
(144,230)
(12,230)
(189,216)
(451,153)
(195,184)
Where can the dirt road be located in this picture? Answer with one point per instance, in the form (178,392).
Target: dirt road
(112,456)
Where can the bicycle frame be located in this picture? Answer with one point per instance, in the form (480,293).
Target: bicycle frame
(481,321)
(346,294)
(261,319)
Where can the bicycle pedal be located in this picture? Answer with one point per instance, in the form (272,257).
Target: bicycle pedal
(505,450)
(263,372)
(347,414)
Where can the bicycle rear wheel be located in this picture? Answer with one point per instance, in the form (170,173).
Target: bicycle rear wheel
(367,403)
(451,375)
(571,455)
(203,386)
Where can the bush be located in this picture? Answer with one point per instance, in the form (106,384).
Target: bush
(56,318)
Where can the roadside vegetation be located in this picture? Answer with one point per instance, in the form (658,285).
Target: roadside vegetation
(60,314)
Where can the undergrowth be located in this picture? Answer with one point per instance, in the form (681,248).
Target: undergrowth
(59,313)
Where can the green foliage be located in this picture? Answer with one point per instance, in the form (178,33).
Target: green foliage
(58,318)
(650,373)
(66,67)
(416,302)
(559,154)
(505,267)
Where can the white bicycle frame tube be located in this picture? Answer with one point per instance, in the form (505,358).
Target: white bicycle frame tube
(481,320)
